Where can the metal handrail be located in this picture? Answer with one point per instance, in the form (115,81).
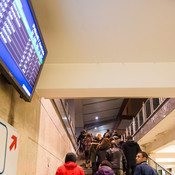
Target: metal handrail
(132,130)
(157,164)
(64,116)
(145,118)
(78,146)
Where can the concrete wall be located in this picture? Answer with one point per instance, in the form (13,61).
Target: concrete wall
(43,141)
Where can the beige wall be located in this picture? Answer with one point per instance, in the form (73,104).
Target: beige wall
(43,142)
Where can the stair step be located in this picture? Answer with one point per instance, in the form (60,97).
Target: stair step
(87,171)
(81,162)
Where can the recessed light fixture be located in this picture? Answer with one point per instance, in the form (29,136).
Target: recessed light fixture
(95,127)
(96,117)
(169,149)
(165,159)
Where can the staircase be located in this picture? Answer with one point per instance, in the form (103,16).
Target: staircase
(81,162)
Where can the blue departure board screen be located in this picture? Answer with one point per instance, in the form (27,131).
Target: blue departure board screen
(22,49)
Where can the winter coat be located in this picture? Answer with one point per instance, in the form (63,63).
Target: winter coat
(101,152)
(81,137)
(117,158)
(93,152)
(87,145)
(130,149)
(145,169)
(69,168)
(105,170)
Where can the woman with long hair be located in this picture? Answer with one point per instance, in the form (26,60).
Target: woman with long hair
(87,144)
(101,150)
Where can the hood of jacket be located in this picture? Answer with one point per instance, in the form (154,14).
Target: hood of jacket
(131,143)
(103,147)
(70,165)
(105,171)
(94,145)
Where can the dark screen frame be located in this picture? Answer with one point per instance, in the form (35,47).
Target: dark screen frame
(8,75)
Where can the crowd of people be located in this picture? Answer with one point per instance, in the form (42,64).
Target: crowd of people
(108,155)
(109,151)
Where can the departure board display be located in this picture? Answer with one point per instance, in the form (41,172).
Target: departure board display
(22,49)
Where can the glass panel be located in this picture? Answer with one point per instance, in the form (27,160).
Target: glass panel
(129,131)
(155,103)
(141,117)
(66,120)
(132,132)
(148,109)
(136,123)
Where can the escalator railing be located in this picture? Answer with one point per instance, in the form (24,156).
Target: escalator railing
(66,119)
(78,148)
(148,109)
(161,170)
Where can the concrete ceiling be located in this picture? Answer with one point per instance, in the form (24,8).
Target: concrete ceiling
(94,45)
(103,31)
(101,114)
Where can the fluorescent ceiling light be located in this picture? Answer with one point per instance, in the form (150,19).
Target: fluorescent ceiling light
(169,149)
(165,159)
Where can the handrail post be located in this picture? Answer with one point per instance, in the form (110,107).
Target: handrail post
(151,105)
(138,119)
(124,137)
(127,132)
(129,129)
(134,128)
(144,112)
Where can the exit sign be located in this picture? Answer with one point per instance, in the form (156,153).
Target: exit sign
(9,143)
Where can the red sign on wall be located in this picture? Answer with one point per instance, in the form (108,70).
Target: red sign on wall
(8,148)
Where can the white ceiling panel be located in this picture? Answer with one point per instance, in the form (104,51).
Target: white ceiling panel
(105,32)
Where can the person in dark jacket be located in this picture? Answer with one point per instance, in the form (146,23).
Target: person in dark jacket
(70,167)
(101,151)
(80,140)
(117,158)
(142,167)
(87,145)
(105,168)
(115,133)
(107,134)
(130,149)
(92,155)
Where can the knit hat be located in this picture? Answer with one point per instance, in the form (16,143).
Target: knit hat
(70,157)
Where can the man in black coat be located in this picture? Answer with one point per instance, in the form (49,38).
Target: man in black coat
(130,149)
